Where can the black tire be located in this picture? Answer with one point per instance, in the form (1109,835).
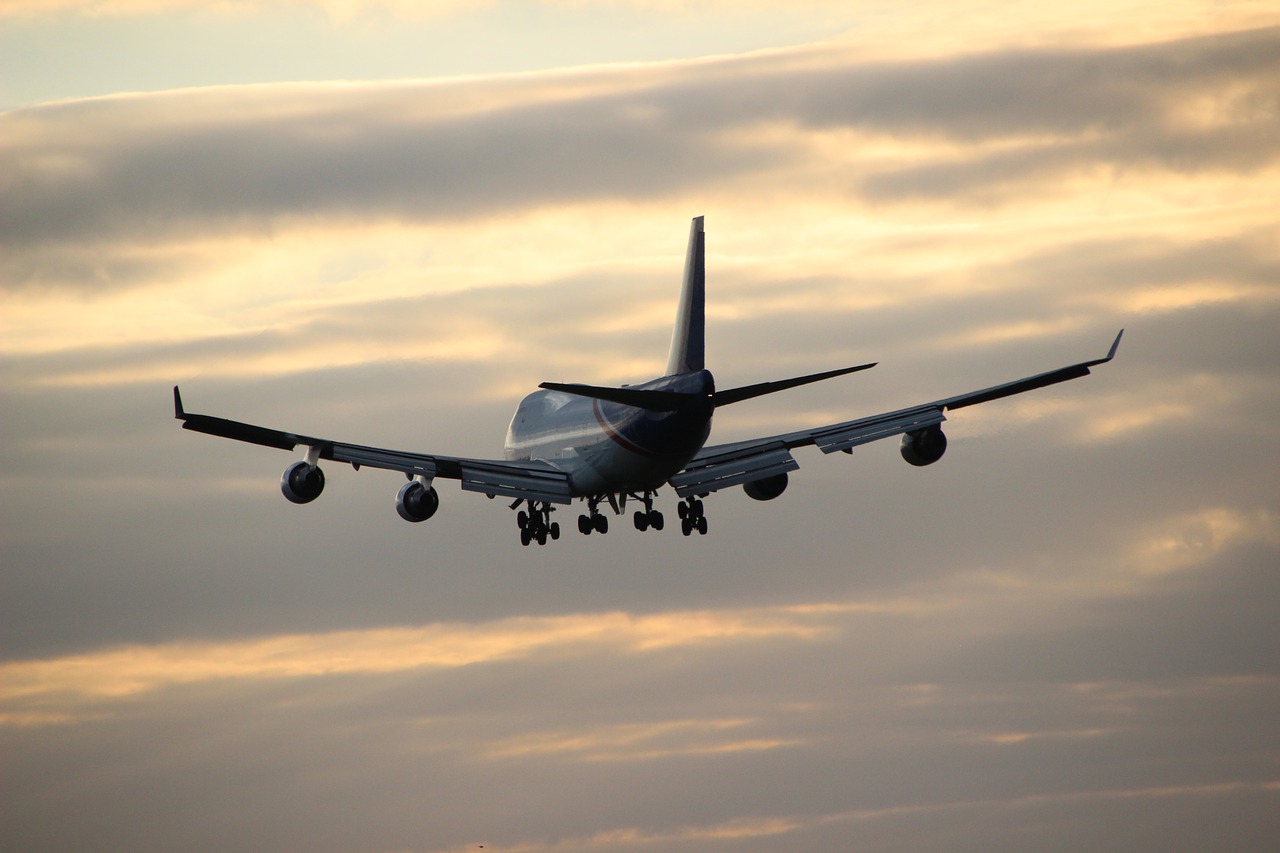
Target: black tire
(656,521)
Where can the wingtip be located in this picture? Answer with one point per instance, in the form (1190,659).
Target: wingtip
(1115,345)
(178,411)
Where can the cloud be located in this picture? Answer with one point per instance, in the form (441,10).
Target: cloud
(1061,635)
(120,673)
(338,10)
(838,739)
(238,159)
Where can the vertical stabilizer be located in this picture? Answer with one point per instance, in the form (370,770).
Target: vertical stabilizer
(687,340)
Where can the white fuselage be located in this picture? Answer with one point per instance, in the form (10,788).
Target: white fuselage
(610,448)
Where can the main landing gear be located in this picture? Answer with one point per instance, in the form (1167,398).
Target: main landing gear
(692,516)
(647,517)
(594,522)
(536,524)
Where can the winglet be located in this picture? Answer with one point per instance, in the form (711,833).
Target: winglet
(178,411)
(1115,346)
(1053,377)
(1111,353)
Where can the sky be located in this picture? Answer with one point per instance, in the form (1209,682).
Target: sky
(386,222)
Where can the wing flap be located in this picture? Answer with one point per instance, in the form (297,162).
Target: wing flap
(732,468)
(529,481)
(850,434)
(411,464)
(722,465)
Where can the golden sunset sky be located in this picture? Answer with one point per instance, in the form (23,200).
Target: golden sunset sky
(386,222)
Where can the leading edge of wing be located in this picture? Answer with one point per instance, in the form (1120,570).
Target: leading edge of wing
(1040,380)
(538,480)
(239,431)
(848,434)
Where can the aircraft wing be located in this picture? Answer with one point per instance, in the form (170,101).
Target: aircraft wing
(539,481)
(720,466)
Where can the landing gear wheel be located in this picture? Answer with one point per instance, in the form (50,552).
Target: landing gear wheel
(692,516)
(600,523)
(641,521)
(525,536)
(555,530)
(584,525)
(656,520)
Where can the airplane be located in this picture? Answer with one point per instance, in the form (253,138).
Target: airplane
(594,444)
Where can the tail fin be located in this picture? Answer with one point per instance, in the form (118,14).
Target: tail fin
(688,342)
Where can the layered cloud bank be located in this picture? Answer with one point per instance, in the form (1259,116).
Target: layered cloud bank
(968,129)
(1062,635)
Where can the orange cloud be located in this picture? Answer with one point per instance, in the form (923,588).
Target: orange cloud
(50,690)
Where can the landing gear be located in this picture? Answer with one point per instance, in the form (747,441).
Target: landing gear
(536,524)
(648,517)
(692,516)
(595,522)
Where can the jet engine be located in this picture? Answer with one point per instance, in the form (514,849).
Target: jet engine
(925,446)
(302,482)
(416,501)
(766,489)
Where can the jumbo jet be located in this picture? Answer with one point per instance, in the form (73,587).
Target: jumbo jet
(603,445)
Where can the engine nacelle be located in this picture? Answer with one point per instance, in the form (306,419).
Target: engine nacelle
(766,489)
(925,446)
(417,501)
(301,482)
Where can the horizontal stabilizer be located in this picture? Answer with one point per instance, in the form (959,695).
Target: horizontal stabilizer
(747,392)
(654,401)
